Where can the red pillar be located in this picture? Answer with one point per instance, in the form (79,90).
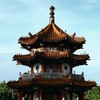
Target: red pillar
(31,71)
(81,96)
(59,67)
(43,96)
(19,95)
(31,96)
(59,96)
(37,93)
(43,67)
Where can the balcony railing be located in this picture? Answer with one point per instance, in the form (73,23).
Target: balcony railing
(28,76)
(75,76)
(52,75)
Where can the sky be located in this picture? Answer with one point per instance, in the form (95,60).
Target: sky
(18,17)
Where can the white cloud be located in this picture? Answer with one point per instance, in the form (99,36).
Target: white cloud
(89,4)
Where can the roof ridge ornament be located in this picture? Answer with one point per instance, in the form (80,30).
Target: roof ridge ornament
(52,8)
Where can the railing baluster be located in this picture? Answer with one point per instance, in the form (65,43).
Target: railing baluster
(52,75)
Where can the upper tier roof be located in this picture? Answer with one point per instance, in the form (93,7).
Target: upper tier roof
(51,33)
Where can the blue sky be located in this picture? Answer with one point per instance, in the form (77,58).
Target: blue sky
(18,17)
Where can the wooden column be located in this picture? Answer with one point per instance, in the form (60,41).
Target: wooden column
(43,96)
(63,93)
(31,96)
(81,96)
(59,67)
(19,95)
(59,96)
(37,93)
(31,71)
(43,67)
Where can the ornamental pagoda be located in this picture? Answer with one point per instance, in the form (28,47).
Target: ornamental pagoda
(51,60)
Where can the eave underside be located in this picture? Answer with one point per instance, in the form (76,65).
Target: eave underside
(41,56)
(51,83)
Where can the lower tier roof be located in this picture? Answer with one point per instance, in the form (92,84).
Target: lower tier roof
(39,82)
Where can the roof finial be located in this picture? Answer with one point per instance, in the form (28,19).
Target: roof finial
(52,8)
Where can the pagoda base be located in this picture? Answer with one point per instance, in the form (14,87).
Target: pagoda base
(46,95)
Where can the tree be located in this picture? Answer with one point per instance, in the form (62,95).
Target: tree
(6,93)
(93,94)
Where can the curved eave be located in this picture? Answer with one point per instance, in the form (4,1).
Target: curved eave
(50,83)
(41,55)
(29,59)
(19,84)
(51,33)
(20,57)
(23,59)
(76,40)
(28,40)
(84,84)
(79,59)
(37,82)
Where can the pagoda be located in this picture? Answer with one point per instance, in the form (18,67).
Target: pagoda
(51,60)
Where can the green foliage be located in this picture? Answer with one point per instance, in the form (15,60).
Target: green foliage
(93,94)
(74,96)
(6,93)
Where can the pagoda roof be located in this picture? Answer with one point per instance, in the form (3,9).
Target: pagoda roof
(28,59)
(51,33)
(50,83)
